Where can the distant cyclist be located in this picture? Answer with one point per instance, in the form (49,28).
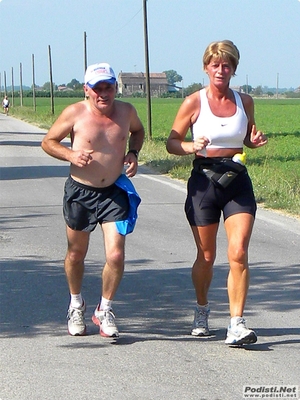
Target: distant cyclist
(5,105)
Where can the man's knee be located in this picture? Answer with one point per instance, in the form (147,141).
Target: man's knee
(75,256)
(116,258)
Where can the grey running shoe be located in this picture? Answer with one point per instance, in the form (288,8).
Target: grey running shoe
(200,324)
(76,325)
(240,334)
(106,322)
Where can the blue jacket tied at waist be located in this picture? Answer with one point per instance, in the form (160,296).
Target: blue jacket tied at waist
(127,226)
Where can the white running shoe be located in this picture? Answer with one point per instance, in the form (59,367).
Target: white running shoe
(239,334)
(76,324)
(200,324)
(106,322)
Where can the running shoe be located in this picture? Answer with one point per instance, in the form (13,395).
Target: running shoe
(106,322)
(76,323)
(239,334)
(200,324)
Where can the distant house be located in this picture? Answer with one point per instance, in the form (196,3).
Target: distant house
(237,88)
(135,83)
(64,88)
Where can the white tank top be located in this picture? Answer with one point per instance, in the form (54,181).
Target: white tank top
(222,132)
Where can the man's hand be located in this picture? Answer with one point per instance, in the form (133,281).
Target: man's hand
(81,158)
(132,162)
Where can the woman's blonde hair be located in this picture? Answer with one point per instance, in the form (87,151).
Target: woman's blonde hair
(224,50)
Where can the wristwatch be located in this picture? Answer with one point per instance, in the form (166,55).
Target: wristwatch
(135,152)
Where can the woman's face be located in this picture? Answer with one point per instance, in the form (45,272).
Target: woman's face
(219,71)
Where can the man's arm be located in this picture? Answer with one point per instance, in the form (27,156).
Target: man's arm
(136,139)
(61,128)
(137,132)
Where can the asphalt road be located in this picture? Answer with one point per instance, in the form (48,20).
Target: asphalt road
(155,357)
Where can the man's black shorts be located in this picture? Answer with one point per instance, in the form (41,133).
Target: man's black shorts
(85,206)
(205,201)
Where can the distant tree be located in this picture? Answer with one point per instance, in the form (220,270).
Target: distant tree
(246,88)
(173,76)
(292,95)
(75,84)
(192,88)
(258,91)
(46,86)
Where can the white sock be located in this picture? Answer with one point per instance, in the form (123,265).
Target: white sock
(105,304)
(76,300)
(235,320)
(205,307)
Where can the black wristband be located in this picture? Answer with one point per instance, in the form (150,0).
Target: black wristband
(135,152)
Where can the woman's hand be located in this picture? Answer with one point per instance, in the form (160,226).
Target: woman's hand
(257,138)
(200,144)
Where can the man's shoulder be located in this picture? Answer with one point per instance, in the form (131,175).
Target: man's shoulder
(123,104)
(79,104)
(76,107)
(125,108)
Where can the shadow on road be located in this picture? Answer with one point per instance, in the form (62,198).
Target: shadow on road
(33,172)
(29,143)
(151,304)
(23,134)
(34,301)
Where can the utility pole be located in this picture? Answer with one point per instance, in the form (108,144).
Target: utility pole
(51,81)
(21,86)
(33,84)
(148,89)
(5,87)
(84,56)
(12,86)
(84,51)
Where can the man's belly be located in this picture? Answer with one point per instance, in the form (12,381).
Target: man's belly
(97,175)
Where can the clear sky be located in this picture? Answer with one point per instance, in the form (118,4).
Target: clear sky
(267,33)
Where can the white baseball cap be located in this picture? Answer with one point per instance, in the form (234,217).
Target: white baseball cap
(96,73)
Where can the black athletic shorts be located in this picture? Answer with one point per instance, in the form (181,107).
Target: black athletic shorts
(205,201)
(85,206)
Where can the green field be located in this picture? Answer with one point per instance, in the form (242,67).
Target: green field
(274,169)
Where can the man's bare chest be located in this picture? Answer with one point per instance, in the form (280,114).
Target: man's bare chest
(100,133)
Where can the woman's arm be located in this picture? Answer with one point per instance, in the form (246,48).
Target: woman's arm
(254,138)
(186,116)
